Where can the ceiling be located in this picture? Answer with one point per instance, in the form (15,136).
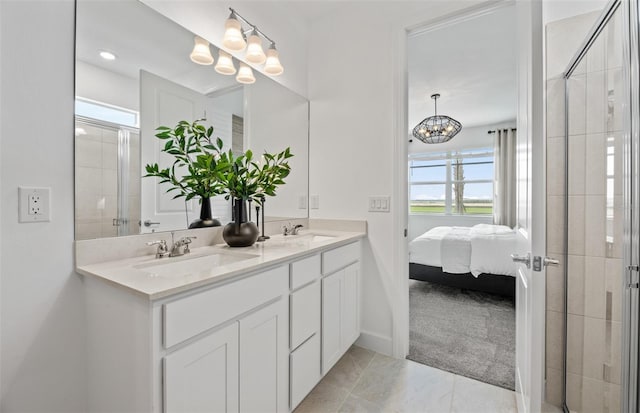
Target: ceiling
(142,39)
(472,64)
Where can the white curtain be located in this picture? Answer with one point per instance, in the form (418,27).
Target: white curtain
(504,186)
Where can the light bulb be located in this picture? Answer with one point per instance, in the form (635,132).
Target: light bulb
(225,64)
(435,127)
(272,66)
(233,38)
(422,131)
(450,128)
(245,75)
(107,55)
(201,53)
(255,54)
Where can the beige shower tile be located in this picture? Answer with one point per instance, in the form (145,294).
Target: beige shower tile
(596,102)
(596,56)
(575,287)
(577,104)
(88,180)
(614,268)
(594,290)
(577,164)
(90,132)
(596,163)
(575,344)
(595,225)
(555,287)
(595,344)
(88,153)
(554,331)
(109,182)
(576,225)
(616,250)
(555,166)
(555,108)
(555,224)
(109,156)
(88,230)
(574,392)
(553,387)
(615,100)
(592,396)
(110,136)
(614,356)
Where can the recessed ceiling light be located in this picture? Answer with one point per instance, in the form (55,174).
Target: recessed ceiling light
(107,55)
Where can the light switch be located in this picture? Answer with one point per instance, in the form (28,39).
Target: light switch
(302,202)
(379,204)
(315,202)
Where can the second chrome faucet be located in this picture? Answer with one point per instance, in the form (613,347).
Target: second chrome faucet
(178,248)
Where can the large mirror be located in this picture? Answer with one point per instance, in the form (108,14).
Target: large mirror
(133,74)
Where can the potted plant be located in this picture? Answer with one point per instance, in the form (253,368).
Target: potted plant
(248,179)
(197,169)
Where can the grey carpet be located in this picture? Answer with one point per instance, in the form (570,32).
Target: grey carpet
(469,333)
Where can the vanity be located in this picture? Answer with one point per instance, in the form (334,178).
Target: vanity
(222,329)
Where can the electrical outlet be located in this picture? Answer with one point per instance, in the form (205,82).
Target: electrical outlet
(34,204)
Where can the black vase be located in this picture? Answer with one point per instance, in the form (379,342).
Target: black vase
(205,220)
(240,233)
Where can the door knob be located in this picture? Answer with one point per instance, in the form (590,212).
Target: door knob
(522,259)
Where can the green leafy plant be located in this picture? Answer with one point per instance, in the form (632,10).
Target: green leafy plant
(247,178)
(199,164)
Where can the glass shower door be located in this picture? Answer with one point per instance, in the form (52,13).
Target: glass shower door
(596,147)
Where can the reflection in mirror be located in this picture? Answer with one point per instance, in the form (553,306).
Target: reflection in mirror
(145,80)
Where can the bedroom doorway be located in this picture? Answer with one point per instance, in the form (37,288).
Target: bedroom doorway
(462,287)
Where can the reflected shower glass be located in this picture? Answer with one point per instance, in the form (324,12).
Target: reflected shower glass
(595,225)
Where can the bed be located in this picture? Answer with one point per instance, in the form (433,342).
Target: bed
(474,258)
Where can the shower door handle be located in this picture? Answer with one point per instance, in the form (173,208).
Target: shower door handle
(546,261)
(522,259)
(148,223)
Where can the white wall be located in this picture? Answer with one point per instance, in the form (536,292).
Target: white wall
(353,134)
(467,138)
(553,10)
(95,83)
(206,19)
(42,315)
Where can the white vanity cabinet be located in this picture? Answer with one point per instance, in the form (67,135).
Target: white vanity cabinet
(340,302)
(223,348)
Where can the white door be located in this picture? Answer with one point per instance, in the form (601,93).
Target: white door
(164,103)
(530,202)
(203,376)
(264,360)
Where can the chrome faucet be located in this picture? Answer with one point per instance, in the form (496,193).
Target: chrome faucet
(177,249)
(291,229)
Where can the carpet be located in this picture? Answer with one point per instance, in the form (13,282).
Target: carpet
(469,333)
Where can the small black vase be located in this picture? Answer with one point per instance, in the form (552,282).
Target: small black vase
(205,220)
(240,233)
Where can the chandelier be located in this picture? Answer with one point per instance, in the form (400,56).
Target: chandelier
(436,128)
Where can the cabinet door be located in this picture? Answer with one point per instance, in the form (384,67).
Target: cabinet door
(350,306)
(264,361)
(203,376)
(331,319)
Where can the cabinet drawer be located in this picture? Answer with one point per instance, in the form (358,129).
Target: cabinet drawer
(305,369)
(189,316)
(340,257)
(305,313)
(305,271)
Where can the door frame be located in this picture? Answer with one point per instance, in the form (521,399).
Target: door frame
(400,304)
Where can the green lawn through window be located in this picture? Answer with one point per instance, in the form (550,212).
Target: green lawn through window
(483,208)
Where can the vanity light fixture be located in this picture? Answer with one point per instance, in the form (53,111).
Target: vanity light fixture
(201,53)
(235,39)
(225,64)
(245,75)
(436,128)
(107,55)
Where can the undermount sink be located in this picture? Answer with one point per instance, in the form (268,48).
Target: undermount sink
(313,237)
(172,267)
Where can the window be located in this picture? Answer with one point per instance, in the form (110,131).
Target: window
(455,183)
(101,111)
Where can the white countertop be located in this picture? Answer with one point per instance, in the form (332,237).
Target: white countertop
(137,275)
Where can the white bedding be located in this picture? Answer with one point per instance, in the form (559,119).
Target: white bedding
(480,249)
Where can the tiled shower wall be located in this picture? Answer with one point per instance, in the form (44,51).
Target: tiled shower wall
(96,164)
(595,216)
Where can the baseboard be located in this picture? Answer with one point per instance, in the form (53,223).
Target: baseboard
(376,342)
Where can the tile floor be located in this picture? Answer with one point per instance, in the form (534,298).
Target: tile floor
(365,381)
